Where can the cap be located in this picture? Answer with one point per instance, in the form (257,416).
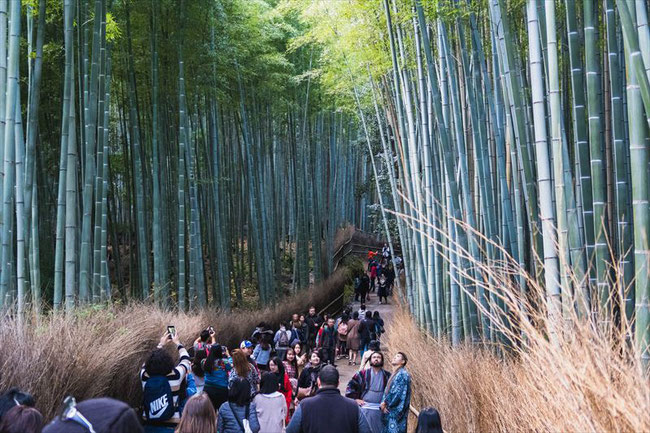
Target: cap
(245,344)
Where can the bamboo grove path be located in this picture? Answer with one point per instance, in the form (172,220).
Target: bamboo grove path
(386,311)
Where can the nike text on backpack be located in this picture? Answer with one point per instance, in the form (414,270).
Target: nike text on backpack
(158,399)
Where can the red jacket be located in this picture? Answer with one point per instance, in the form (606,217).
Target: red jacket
(287,394)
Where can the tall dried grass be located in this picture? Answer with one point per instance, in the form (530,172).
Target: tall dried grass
(562,372)
(581,385)
(98,352)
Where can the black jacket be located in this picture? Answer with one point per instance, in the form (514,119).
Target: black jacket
(328,412)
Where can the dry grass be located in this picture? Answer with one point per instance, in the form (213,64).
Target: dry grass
(562,372)
(98,352)
(580,385)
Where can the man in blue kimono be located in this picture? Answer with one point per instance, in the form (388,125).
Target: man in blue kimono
(397,397)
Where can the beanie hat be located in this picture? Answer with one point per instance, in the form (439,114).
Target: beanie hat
(105,414)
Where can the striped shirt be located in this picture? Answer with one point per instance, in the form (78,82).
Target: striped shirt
(175,378)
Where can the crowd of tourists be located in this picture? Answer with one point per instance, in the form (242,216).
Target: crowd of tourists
(279,381)
(379,276)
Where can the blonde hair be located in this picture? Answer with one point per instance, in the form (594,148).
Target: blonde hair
(240,363)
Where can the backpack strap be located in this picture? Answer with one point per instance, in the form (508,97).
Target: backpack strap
(240,422)
(246,415)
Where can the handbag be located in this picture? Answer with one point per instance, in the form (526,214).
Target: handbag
(243,424)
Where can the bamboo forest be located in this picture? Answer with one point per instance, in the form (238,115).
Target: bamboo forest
(227,160)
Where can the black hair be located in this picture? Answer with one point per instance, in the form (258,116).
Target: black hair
(345,317)
(329,376)
(205,335)
(380,354)
(429,421)
(368,314)
(355,315)
(363,306)
(374,345)
(197,369)
(14,397)
(403,355)
(375,315)
(216,353)
(160,363)
(269,383)
(277,361)
(239,392)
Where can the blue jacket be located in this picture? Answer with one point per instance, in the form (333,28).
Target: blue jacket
(218,377)
(261,356)
(227,423)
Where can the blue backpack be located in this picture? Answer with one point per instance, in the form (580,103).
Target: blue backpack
(158,399)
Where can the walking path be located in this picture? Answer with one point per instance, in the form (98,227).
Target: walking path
(386,312)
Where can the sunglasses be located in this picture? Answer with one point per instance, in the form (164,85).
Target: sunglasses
(70,413)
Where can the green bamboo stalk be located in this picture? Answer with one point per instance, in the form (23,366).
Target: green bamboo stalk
(9,152)
(551,261)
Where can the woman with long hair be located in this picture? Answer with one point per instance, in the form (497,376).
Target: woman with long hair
(307,383)
(429,421)
(354,339)
(197,369)
(270,405)
(243,369)
(277,367)
(216,368)
(301,357)
(342,335)
(198,416)
(291,368)
(239,410)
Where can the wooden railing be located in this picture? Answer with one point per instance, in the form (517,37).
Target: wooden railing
(348,248)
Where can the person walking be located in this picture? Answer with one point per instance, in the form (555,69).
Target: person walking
(353,340)
(262,353)
(389,273)
(242,369)
(379,325)
(364,288)
(367,388)
(314,322)
(198,416)
(299,330)
(366,331)
(216,369)
(328,411)
(373,276)
(239,410)
(397,397)
(270,405)
(382,292)
(342,334)
(282,340)
(277,367)
(329,341)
